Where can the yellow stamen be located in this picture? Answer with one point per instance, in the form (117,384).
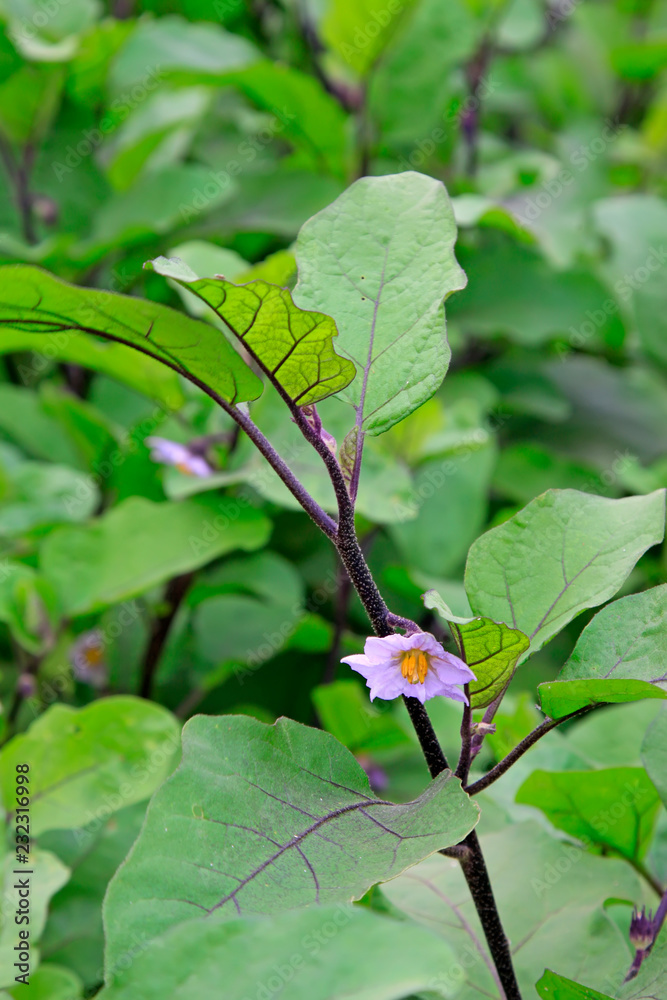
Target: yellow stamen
(414,666)
(185,469)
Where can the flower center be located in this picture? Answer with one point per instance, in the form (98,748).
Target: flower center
(184,468)
(414,666)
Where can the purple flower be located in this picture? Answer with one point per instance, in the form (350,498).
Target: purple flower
(179,455)
(414,665)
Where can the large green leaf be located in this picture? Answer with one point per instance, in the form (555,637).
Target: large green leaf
(554,987)
(103,757)
(380,261)
(550,896)
(260,819)
(654,754)
(322,953)
(491,650)
(564,552)
(620,656)
(293,347)
(140,544)
(613,808)
(33,301)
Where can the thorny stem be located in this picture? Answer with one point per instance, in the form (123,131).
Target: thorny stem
(521,748)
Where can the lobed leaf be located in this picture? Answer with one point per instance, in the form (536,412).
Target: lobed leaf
(260,819)
(293,347)
(491,650)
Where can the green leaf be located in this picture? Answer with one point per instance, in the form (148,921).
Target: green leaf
(106,756)
(140,544)
(380,261)
(48,982)
(305,114)
(171,47)
(654,754)
(513,291)
(46,875)
(345,711)
(634,227)
(554,987)
(611,809)
(358,31)
(293,347)
(564,552)
(137,371)
(618,657)
(74,935)
(651,980)
(550,895)
(491,650)
(33,301)
(322,953)
(260,819)
(42,495)
(445,511)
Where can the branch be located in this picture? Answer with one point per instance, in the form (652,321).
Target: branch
(174,593)
(521,748)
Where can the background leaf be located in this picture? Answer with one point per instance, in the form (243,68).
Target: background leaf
(105,756)
(140,544)
(613,808)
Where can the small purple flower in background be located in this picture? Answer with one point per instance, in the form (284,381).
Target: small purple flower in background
(413,665)
(88,659)
(179,455)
